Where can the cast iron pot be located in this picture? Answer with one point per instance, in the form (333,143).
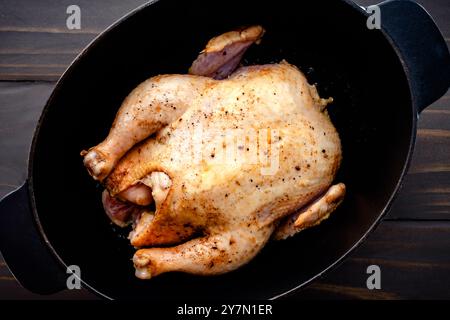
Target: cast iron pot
(380,81)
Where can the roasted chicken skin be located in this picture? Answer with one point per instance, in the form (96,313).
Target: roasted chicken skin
(229,163)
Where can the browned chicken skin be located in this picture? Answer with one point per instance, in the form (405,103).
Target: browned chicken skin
(236,161)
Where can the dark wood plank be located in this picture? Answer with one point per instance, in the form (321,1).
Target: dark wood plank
(36,45)
(413,258)
(35,42)
(426,190)
(20,106)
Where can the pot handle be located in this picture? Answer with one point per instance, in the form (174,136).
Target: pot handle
(421,47)
(24,249)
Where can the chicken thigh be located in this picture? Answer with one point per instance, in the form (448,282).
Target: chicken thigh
(228,163)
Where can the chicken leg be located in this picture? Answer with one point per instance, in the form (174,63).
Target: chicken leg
(152,105)
(313,214)
(210,255)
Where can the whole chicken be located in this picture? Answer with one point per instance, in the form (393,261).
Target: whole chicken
(210,165)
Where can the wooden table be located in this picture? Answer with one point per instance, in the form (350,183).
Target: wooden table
(411,245)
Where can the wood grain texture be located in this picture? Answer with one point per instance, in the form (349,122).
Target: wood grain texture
(20,107)
(414,261)
(35,43)
(412,245)
(426,190)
